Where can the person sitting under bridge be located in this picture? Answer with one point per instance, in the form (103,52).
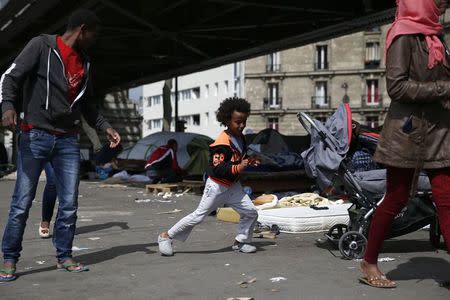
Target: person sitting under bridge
(162,165)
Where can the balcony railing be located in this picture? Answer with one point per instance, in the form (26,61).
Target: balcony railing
(375,102)
(321,66)
(372,64)
(273,68)
(272,103)
(320,102)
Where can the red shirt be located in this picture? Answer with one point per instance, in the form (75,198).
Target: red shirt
(74,69)
(73,65)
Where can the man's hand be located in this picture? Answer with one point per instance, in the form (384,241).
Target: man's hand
(113,137)
(446,104)
(9,119)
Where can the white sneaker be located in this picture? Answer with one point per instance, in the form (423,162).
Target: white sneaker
(165,246)
(244,248)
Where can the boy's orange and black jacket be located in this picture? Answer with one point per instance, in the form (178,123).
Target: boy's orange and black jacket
(224,160)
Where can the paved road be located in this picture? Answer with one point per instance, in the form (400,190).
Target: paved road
(116,237)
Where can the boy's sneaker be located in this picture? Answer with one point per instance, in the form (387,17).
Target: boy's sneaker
(244,248)
(165,246)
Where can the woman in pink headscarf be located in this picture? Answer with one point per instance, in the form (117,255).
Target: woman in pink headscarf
(416,132)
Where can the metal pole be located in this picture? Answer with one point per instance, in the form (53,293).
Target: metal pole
(177,129)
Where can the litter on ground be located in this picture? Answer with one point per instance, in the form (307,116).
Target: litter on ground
(169,212)
(381,259)
(245,283)
(152,200)
(277,279)
(75,248)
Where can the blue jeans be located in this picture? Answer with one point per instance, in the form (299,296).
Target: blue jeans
(49,196)
(36,148)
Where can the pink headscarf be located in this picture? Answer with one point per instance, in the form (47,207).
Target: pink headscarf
(418,16)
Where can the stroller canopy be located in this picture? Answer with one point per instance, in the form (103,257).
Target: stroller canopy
(321,161)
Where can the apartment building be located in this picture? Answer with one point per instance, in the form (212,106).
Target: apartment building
(315,79)
(199,96)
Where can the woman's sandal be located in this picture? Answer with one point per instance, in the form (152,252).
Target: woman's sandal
(10,274)
(44,232)
(72,267)
(378,282)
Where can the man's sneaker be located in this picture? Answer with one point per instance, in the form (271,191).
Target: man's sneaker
(244,248)
(165,246)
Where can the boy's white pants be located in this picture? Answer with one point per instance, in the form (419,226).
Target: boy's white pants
(214,196)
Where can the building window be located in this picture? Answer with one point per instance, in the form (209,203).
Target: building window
(206,119)
(273,100)
(321,98)
(372,121)
(196,120)
(149,124)
(375,29)
(372,55)
(206,90)
(272,123)
(195,93)
(149,101)
(322,119)
(273,62)
(155,100)
(216,89)
(321,57)
(185,95)
(157,123)
(226,86)
(237,88)
(372,92)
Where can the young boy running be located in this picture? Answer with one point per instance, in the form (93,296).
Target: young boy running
(227,161)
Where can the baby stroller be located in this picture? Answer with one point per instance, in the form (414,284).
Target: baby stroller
(339,158)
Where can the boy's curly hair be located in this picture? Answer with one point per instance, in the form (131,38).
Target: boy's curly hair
(229,105)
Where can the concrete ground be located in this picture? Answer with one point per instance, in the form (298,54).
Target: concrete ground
(116,237)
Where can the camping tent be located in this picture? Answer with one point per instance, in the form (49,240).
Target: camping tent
(270,147)
(269,141)
(192,155)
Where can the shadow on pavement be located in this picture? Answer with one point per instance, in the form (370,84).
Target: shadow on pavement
(389,246)
(421,268)
(407,246)
(333,248)
(97,227)
(258,245)
(101,256)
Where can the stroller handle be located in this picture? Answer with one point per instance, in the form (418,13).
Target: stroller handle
(304,119)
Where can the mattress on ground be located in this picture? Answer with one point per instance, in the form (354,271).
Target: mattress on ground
(304,219)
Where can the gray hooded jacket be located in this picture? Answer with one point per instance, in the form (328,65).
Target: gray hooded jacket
(36,83)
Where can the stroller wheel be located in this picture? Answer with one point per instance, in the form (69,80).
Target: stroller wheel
(335,232)
(352,245)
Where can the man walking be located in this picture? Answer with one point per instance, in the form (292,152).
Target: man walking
(51,75)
